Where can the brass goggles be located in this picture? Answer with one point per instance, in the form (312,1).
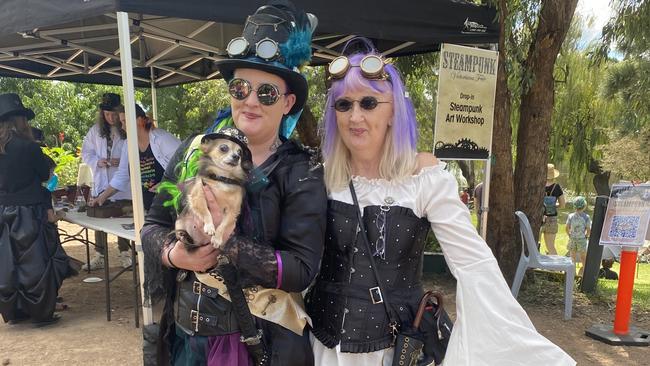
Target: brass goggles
(372,67)
(267,94)
(266,49)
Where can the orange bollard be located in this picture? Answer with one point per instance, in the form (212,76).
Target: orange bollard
(624,294)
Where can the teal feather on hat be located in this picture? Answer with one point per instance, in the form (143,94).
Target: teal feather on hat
(296,51)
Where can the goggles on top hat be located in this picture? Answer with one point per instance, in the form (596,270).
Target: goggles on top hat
(266,48)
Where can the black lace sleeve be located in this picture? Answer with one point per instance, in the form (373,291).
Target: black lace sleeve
(256,263)
(301,218)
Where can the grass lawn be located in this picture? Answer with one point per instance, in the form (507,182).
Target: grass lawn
(606,289)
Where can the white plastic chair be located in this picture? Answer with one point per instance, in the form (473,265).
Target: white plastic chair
(548,262)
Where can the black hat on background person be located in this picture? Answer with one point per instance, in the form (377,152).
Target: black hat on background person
(109,101)
(11,105)
(281,27)
(139,112)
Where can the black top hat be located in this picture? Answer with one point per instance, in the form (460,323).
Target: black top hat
(139,112)
(290,29)
(10,105)
(235,135)
(109,101)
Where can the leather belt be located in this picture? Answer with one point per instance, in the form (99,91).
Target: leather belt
(201,310)
(371,294)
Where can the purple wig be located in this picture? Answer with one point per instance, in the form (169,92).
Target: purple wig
(404,128)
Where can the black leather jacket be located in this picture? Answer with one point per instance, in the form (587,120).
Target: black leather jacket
(288,216)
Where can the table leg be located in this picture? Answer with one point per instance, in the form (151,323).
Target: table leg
(107,278)
(87,250)
(136,283)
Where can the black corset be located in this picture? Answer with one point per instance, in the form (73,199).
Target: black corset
(340,303)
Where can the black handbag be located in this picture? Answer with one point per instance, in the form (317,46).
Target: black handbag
(435,326)
(426,340)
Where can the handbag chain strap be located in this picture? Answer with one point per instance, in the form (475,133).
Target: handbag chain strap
(383,295)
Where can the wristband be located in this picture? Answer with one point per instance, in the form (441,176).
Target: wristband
(169,259)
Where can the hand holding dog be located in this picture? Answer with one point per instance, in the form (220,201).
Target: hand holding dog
(203,256)
(201,259)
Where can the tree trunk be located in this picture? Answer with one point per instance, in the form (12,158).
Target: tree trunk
(537,107)
(501,224)
(308,128)
(601,178)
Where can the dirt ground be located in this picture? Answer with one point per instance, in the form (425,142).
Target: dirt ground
(84,337)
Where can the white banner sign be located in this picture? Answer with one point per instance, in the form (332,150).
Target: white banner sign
(628,215)
(466,90)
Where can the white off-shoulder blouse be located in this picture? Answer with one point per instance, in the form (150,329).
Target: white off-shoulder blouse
(491,327)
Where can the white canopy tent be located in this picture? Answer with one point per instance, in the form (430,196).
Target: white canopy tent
(177,42)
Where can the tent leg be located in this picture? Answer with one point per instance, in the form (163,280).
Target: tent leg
(485,201)
(132,145)
(154,95)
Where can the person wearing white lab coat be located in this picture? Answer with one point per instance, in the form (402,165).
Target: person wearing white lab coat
(101,151)
(156,147)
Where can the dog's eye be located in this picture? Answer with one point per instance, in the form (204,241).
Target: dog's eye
(223,148)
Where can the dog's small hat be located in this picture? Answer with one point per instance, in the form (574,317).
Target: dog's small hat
(233,134)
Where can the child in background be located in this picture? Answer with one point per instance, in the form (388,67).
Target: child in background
(578,227)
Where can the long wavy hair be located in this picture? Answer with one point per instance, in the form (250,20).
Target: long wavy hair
(105,127)
(398,158)
(13,125)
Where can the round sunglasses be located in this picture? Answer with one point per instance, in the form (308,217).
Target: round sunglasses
(366,103)
(268,94)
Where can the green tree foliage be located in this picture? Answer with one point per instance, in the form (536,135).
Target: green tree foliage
(628,29)
(627,85)
(627,155)
(420,73)
(581,115)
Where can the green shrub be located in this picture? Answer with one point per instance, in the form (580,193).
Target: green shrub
(67,165)
(432,244)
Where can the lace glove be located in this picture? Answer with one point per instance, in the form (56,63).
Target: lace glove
(256,263)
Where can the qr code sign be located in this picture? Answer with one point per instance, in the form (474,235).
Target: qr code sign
(624,227)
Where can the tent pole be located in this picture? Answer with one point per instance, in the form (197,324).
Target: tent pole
(485,202)
(154,94)
(132,145)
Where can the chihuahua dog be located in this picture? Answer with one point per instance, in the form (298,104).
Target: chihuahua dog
(223,169)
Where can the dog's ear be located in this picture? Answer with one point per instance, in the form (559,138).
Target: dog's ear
(206,146)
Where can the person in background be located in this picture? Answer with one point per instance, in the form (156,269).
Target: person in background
(32,268)
(156,148)
(553,199)
(101,151)
(373,170)
(464,196)
(578,228)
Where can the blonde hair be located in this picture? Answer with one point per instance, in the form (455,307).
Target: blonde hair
(393,166)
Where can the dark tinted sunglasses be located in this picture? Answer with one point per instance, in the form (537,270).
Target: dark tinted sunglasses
(267,94)
(366,103)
